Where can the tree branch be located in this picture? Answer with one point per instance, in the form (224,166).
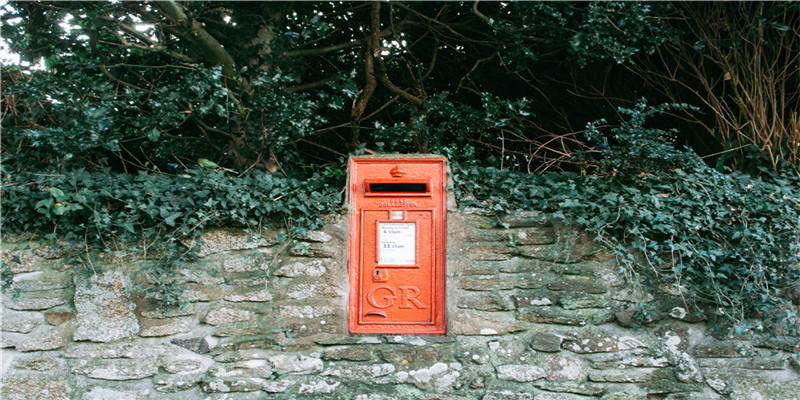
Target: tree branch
(193,32)
(373,51)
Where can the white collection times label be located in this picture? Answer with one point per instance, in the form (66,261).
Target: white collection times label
(397,243)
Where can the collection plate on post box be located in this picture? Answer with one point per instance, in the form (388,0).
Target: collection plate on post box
(397,245)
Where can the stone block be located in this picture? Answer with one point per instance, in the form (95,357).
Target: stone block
(501,282)
(351,353)
(29,388)
(300,267)
(36,301)
(21,261)
(99,393)
(38,364)
(507,395)
(223,240)
(485,302)
(171,383)
(546,342)
(484,323)
(247,328)
(104,308)
(563,369)
(583,388)
(636,375)
(520,372)
(194,293)
(410,358)
(295,364)
(257,293)
(19,322)
(491,253)
(58,317)
(552,315)
(234,384)
(52,339)
(601,344)
(578,284)
(726,349)
(535,299)
(39,282)
(165,327)
(197,345)
(122,369)
(359,372)
(226,314)
(576,300)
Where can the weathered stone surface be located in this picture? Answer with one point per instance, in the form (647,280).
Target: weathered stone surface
(507,395)
(485,302)
(186,365)
(52,339)
(194,293)
(172,383)
(20,388)
(317,236)
(38,282)
(638,375)
(244,263)
(491,253)
(58,317)
(484,323)
(359,372)
(35,301)
(552,315)
(234,384)
(244,369)
(546,342)
(578,300)
(122,369)
(20,322)
(197,345)
(536,299)
(578,284)
(247,328)
(295,364)
(277,386)
(439,375)
(217,241)
(121,349)
(619,361)
(311,290)
(786,343)
(563,369)
(538,235)
(408,358)
(104,308)
(347,353)
(106,394)
(585,389)
(21,261)
(322,386)
(304,312)
(295,268)
(314,250)
(520,372)
(165,327)
(225,314)
(501,282)
(254,293)
(38,364)
(601,344)
(722,350)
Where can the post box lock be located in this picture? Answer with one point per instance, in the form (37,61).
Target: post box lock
(397,243)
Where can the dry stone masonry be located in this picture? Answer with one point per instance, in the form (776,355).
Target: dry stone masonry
(534,311)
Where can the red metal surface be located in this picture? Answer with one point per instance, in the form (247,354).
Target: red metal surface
(397,247)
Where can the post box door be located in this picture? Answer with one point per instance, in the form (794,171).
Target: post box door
(397,278)
(397,236)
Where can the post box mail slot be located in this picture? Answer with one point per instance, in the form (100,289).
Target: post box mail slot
(397,245)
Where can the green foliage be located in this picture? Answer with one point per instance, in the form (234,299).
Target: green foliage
(158,216)
(730,241)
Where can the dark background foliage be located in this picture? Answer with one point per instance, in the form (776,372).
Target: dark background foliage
(650,119)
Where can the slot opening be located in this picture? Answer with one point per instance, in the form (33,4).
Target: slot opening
(397,187)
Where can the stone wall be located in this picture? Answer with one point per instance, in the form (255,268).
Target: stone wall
(534,311)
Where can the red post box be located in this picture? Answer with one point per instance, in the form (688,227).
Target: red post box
(397,244)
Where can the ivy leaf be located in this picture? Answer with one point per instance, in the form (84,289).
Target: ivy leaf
(170,220)
(206,163)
